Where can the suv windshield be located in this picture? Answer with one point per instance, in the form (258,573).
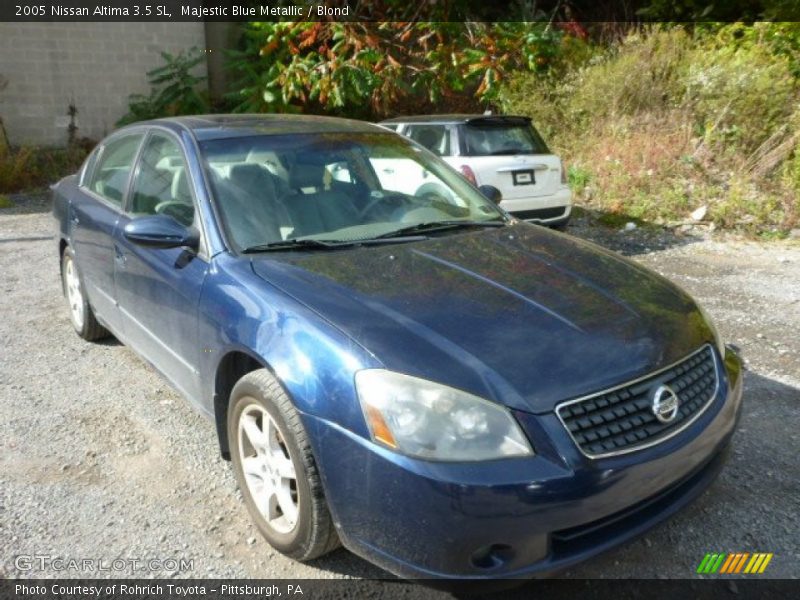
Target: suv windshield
(489,137)
(334,188)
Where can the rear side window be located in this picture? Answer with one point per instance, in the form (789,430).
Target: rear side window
(487,138)
(435,138)
(113,168)
(86,169)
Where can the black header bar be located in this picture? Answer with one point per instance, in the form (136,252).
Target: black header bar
(586,11)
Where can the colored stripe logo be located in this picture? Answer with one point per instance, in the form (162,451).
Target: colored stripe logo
(735,562)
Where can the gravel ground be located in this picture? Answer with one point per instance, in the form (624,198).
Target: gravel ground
(100,458)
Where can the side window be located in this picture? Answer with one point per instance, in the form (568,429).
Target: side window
(113,168)
(88,164)
(435,138)
(161,183)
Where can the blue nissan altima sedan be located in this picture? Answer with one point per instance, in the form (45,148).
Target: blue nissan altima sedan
(392,362)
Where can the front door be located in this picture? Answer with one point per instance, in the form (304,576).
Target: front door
(159,289)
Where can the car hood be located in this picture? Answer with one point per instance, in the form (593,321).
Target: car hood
(519,314)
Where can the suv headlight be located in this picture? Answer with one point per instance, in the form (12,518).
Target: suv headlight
(427,420)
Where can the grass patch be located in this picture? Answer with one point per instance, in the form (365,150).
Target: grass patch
(6,202)
(771,236)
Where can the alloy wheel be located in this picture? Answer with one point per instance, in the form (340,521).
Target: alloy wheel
(74,293)
(268,469)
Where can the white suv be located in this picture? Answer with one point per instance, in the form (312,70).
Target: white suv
(502,151)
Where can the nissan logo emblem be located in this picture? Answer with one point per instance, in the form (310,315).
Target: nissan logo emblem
(665,404)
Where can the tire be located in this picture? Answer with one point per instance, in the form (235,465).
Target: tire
(81,314)
(259,401)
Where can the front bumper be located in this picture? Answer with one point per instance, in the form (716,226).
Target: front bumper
(515,518)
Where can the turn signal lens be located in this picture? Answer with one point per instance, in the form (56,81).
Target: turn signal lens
(380,430)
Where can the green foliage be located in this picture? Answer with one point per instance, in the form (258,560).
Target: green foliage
(738,93)
(375,69)
(25,169)
(730,10)
(642,75)
(668,120)
(578,177)
(175,90)
(744,206)
(701,10)
(15,171)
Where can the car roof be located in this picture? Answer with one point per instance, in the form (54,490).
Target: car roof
(453,118)
(209,127)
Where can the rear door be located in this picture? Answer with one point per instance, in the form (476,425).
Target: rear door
(94,217)
(159,289)
(509,154)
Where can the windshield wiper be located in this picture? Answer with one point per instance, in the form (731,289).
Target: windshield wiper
(304,243)
(314,244)
(439,226)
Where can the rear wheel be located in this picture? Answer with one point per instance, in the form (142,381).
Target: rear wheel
(80,312)
(275,469)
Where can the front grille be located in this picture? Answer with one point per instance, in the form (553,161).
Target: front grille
(540,213)
(622,420)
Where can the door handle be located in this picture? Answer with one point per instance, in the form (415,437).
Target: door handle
(75,220)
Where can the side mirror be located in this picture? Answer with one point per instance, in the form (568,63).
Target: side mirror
(161,231)
(492,193)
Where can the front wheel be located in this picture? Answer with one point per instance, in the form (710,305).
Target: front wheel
(275,469)
(80,311)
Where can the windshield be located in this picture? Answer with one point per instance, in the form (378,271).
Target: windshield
(493,138)
(334,187)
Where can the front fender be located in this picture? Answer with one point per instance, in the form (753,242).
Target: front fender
(314,361)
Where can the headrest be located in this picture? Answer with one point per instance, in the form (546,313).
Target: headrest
(270,160)
(250,173)
(304,175)
(254,180)
(180,186)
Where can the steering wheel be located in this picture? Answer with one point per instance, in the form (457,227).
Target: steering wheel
(180,211)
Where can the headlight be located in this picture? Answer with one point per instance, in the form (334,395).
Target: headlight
(432,421)
(717,338)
